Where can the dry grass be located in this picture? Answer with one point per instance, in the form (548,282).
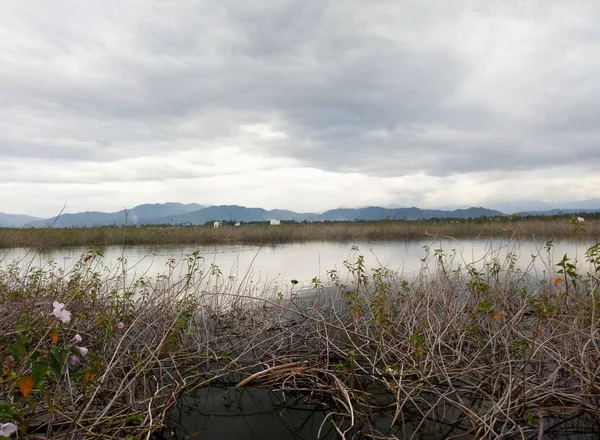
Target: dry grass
(286,233)
(485,350)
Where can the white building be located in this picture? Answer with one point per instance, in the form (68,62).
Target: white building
(217,224)
(275,222)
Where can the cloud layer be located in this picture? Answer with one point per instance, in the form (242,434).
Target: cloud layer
(306,105)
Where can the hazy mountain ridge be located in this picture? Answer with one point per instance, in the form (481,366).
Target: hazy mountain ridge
(558,212)
(236,213)
(375,213)
(16,220)
(195,214)
(142,214)
(548,208)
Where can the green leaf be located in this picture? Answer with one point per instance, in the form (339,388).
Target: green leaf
(20,347)
(38,371)
(7,412)
(16,348)
(59,357)
(135,418)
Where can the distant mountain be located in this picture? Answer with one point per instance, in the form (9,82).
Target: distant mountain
(282,214)
(145,214)
(194,214)
(372,213)
(235,213)
(142,214)
(375,213)
(558,212)
(527,206)
(15,220)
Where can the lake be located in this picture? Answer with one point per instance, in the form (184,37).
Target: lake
(278,264)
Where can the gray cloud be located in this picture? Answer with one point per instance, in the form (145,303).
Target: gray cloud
(384,90)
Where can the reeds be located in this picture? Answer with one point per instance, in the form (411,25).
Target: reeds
(484,350)
(296,232)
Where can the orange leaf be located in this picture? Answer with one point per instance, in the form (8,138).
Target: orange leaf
(54,337)
(498,316)
(25,385)
(88,376)
(558,281)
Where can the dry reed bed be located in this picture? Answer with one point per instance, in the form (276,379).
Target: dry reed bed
(286,233)
(488,351)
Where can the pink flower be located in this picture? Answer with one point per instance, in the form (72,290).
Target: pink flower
(75,360)
(60,313)
(120,326)
(6,429)
(77,338)
(82,350)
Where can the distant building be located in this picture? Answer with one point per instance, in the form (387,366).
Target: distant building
(238,224)
(275,222)
(580,219)
(217,224)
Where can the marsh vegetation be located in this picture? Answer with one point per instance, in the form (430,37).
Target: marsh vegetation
(263,233)
(484,349)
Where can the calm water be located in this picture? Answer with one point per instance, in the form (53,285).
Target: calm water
(224,412)
(303,261)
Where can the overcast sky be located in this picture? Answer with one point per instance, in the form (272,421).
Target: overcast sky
(301,104)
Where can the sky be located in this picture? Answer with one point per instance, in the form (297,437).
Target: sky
(301,104)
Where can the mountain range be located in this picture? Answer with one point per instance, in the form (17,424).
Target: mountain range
(195,214)
(142,214)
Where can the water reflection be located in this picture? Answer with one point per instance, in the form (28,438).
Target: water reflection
(229,413)
(224,412)
(304,261)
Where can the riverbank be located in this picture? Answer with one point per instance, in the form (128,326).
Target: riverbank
(487,350)
(298,232)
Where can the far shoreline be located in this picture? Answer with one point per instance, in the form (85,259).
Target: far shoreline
(559,227)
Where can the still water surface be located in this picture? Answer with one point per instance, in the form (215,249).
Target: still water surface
(304,261)
(215,413)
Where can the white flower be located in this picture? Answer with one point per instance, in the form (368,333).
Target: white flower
(60,313)
(6,429)
(75,360)
(77,338)
(82,350)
